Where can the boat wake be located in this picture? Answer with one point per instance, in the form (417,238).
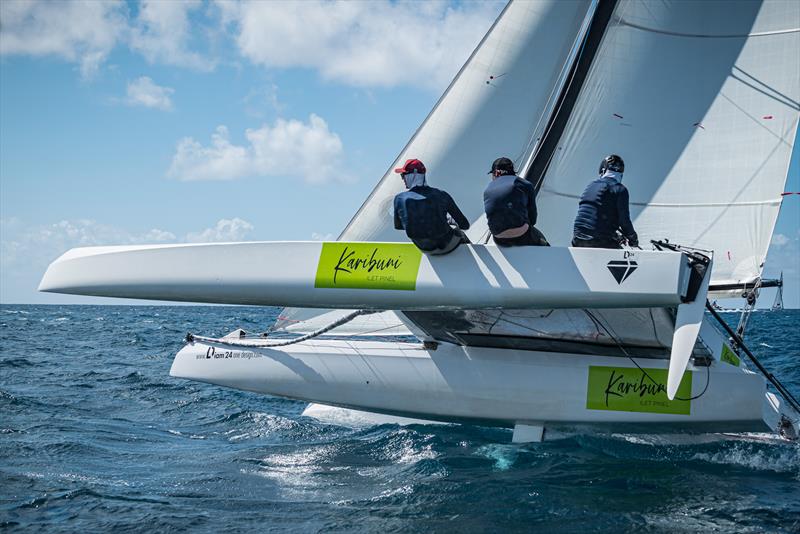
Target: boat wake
(779,459)
(358,419)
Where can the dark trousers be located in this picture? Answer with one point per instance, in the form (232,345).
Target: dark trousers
(595,243)
(532,237)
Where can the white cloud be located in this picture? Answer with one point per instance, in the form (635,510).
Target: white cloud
(26,251)
(161,33)
(265,98)
(220,161)
(86,31)
(316,236)
(380,43)
(80,31)
(144,92)
(235,229)
(156,236)
(34,247)
(287,148)
(779,240)
(365,44)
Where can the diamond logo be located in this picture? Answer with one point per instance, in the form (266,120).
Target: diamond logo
(622,269)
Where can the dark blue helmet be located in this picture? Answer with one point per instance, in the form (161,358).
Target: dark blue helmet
(612,163)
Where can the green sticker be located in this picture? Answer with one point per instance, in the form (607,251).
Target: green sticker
(728,356)
(368,266)
(628,389)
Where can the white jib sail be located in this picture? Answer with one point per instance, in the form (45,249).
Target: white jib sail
(701,101)
(497,105)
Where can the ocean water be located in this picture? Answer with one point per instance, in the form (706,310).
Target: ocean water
(95,436)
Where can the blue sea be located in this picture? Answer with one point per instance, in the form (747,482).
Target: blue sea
(95,436)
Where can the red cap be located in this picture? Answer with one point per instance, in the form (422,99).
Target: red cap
(411,165)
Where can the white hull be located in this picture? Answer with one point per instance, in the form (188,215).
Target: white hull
(479,385)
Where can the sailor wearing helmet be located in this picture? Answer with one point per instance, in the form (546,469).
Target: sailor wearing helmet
(603,214)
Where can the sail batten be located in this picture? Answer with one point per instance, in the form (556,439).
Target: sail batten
(773,201)
(623,22)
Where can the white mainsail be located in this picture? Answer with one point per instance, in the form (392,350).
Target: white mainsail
(701,101)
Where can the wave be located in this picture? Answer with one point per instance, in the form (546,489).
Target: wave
(779,459)
(71,495)
(16,362)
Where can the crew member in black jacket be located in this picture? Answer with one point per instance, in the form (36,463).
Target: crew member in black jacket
(422,211)
(604,220)
(510,205)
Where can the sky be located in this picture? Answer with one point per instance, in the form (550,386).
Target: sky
(161,122)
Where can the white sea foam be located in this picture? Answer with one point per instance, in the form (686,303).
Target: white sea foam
(411,455)
(784,459)
(407,489)
(263,424)
(190,436)
(503,455)
(404,448)
(663,440)
(358,419)
(86,479)
(296,471)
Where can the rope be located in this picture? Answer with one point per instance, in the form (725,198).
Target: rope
(339,322)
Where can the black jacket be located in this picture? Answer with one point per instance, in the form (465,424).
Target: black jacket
(603,210)
(509,202)
(422,212)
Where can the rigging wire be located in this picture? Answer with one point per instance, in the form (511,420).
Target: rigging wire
(273,328)
(339,322)
(737,339)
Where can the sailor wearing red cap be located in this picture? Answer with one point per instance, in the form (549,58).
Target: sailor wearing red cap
(422,211)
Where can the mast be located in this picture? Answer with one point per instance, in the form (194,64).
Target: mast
(778,303)
(569,93)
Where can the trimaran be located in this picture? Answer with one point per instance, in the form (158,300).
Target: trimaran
(701,100)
